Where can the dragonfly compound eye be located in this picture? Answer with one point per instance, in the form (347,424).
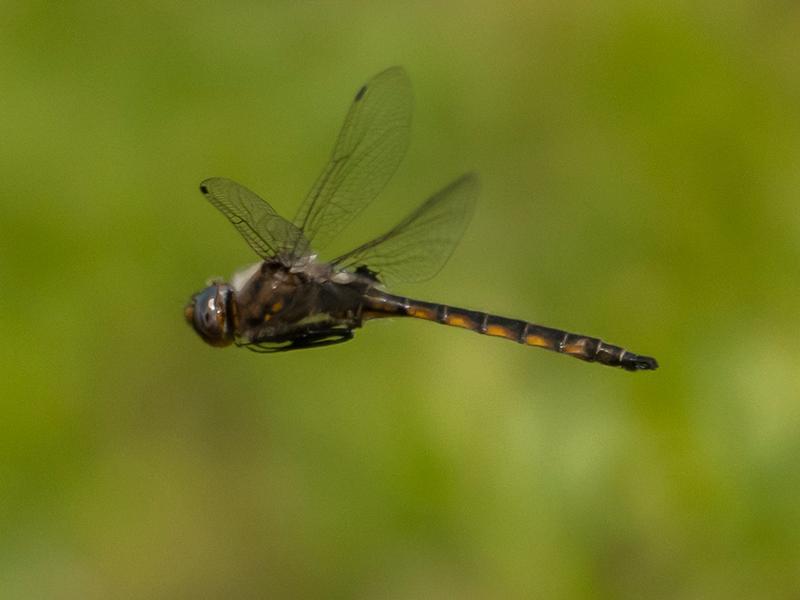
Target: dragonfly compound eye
(210,315)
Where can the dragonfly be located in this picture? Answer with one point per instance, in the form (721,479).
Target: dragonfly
(291,299)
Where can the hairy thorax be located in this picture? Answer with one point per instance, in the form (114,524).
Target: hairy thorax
(273,300)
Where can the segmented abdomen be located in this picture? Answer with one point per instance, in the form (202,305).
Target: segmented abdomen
(379,304)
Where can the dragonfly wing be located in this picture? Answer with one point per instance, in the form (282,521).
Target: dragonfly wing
(369,149)
(419,246)
(262,228)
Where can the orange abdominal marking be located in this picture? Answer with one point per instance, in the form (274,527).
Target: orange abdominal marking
(576,348)
(498,331)
(535,340)
(421,313)
(458,321)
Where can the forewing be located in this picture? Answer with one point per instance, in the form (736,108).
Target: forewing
(262,228)
(419,246)
(369,149)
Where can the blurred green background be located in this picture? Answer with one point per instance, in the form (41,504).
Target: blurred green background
(639,164)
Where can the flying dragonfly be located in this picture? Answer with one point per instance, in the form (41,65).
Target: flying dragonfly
(291,299)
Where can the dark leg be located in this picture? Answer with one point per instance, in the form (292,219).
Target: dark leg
(310,339)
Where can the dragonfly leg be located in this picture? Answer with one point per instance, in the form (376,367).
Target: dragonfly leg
(308,339)
(317,339)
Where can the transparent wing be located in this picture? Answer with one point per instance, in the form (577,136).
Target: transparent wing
(262,228)
(419,246)
(369,149)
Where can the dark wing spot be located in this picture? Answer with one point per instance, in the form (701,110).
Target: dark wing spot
(361,93)
(204,189)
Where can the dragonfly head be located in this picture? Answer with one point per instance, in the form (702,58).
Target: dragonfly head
(210,312)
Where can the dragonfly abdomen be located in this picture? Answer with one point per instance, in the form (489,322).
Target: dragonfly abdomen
(590,349)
